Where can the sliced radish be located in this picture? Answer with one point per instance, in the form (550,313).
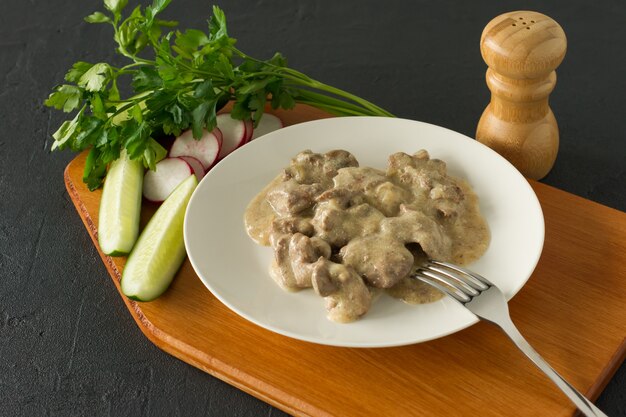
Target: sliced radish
(267,124)
(169,172)
(249,129)
(218,133)
(234,132)
(195,165)
(205,150)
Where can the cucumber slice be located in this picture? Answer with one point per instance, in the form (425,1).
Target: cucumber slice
(120,206)
(160,249)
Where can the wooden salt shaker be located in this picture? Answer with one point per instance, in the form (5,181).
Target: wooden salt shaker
(522,50)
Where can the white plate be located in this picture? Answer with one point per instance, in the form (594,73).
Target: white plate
(235,269)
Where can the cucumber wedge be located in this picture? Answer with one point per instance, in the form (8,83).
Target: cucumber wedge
(160,249)
(120,206)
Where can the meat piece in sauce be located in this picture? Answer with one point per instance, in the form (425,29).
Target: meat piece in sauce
(290,197)
(413,226)
(308,175)
(419,172)
(341,197)
(361,179)
(400,161)
(447,198)
(309,168)
(389,197)
(429,180)
(294,256)
(366,185)
(345,294)
(337,159)
(381,259)
(338,226)
(291,225)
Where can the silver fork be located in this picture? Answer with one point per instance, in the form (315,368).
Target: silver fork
(487,302)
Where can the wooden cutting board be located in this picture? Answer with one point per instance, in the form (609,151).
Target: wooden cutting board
(573,313)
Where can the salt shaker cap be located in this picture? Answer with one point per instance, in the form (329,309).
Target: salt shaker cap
(523,44)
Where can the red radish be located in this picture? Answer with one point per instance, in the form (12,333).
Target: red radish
(205,150)
(267,124)
(169,172)
(195,165)
(234,132)
(249,129)
(217,132)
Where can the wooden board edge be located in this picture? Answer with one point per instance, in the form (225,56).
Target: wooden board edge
(92,230)
(607,373)
(200,360)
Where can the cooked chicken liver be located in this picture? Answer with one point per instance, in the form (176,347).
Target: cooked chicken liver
(345,230)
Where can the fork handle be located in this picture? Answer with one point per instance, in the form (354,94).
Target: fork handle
(583,404)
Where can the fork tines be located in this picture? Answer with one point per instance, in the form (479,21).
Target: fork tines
(459,283)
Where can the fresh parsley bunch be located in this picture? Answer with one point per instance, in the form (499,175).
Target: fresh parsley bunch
(190,75)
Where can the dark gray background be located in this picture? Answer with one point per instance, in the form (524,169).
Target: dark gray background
(69,347)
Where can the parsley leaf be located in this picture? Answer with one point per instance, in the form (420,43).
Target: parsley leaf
(66,132)
(145,79)
(115,6)
(97,17)
(95,78)
(94,170)
(66,98)
(77,71)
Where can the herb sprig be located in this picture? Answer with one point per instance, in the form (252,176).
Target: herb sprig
(187,78)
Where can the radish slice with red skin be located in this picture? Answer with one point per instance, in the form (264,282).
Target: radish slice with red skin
(169,172)
(267,124)
(195,165)
(249,129)
(234,132)
(217,132)
(205,150)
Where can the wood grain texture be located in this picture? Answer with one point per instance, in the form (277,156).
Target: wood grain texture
(522,50)
(573,315)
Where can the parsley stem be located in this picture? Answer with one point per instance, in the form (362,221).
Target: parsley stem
(303,80)
(344,94)
(136,64)
(336,110)
(298,76)
(333,90)
(328,100)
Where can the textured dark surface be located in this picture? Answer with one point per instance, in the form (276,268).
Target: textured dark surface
(69,347)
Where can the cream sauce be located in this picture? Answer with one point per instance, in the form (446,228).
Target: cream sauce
(259,215)
(379,225)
